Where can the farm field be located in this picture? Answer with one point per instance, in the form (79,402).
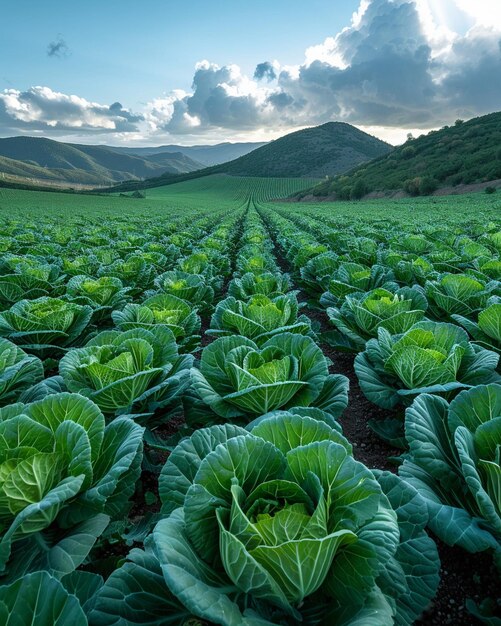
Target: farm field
(222,408)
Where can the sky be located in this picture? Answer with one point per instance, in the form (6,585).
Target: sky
(205,71)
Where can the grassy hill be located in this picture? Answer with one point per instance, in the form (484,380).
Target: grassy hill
(331,148)
(207,155)
(465,153)
(45,159)
(310,153)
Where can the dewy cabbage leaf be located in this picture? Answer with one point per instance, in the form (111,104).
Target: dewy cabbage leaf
(279,526)
(238,379)
(431,357)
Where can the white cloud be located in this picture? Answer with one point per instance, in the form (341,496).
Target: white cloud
(41,107)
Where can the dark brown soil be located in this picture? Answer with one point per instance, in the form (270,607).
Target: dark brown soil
(462,576)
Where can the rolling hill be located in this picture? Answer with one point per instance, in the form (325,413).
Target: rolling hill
(310,153)
(46,159)
(315,152)
(462,154)
(207,155)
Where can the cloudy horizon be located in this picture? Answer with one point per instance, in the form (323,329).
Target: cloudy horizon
(393,67)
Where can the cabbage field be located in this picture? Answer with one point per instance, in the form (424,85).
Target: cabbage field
(220,409)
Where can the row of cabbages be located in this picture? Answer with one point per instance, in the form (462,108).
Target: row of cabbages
(411,351)
(266,517)
(71,461)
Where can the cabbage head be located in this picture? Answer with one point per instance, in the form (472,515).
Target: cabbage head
(362,314)
(46,326)
(352,278)
(271,284)
(458,294)
(431,357)
(60,466)
(176,314)
(102,294)
(137,371)
(277,526)
(238,379)
(259,319)
(192,288)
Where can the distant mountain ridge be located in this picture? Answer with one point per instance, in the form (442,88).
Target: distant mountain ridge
(310,153)
(207,155)
(46,159)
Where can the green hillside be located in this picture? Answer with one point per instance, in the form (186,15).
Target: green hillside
(45,159)
(309,153)
(465,153)
(334,147)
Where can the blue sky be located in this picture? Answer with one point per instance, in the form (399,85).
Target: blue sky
(136,50)
(153,72)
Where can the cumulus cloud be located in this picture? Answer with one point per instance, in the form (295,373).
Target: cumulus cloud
(41,108)
(222,97)
(396,65)
(58,48)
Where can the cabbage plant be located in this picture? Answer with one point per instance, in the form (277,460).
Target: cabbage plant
(138,371)
(190,287)
(45,326)
(277,526)
(486,332)
(458,294)
(431,357)
(361,315)
(15,287)
(259,319)
(102,294)
(18,372)
(454,461)
(352,278)
(134,271)
(317,272)
(239,379)
(271,284)
(61,465)
(176,314)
